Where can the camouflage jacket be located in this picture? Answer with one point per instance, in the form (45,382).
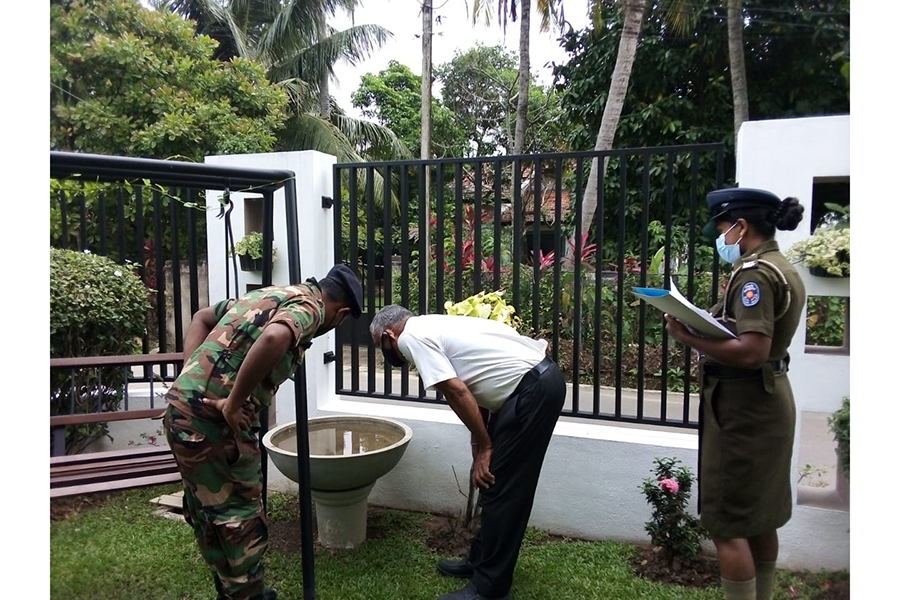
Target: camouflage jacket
(211,370)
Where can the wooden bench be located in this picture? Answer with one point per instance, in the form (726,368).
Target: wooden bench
(72,475)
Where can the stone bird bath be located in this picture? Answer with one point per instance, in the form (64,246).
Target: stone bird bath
(347,455)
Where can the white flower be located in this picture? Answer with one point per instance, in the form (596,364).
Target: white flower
(86,251)
(117,273)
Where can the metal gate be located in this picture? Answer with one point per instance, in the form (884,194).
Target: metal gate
(515,223)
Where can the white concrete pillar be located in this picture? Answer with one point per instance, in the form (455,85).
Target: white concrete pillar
(313,180)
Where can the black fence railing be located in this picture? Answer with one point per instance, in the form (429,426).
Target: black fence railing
(424,232)
(150,216)
(144,214)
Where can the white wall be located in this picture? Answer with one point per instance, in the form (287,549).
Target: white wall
(783,156)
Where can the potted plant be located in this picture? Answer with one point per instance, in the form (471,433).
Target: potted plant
(826,253)
(839,423)
(250,250)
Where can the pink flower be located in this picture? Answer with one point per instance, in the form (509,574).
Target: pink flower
(669,485)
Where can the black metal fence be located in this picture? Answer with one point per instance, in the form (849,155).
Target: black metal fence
(150,216)
(421,233)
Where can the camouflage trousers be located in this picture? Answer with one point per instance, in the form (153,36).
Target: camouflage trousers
(222,499)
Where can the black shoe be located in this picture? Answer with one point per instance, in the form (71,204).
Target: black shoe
(461,568)
(470,593)
(266,595)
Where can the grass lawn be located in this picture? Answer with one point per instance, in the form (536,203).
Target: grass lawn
(122,550)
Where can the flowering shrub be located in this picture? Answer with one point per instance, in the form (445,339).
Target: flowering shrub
(827,248)
(671,527)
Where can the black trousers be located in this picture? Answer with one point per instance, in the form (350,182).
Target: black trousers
(520,432)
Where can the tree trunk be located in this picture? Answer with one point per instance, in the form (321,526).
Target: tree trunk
(738,70)
(426,79)
(324,96)
(524,76)
(425,203)
(631,33)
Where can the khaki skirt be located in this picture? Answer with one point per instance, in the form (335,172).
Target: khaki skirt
(746,442)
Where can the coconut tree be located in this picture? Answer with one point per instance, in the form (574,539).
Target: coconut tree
(551,13)
(294,42)
(680,18)
(738,69)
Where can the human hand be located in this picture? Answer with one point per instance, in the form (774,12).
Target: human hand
(676,329)
(481,473)
(238,416)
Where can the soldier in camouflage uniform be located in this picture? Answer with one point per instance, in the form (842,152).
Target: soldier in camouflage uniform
(237,353)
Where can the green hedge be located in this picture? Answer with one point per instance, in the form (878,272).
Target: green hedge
(97,308)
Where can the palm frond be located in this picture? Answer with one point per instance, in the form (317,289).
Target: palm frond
(353,45)
(368,134)
(680,16)
(307,131)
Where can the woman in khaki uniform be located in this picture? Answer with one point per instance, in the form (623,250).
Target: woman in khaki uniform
(747,412)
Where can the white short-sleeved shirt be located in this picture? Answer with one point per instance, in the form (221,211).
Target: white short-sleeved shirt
(488,356)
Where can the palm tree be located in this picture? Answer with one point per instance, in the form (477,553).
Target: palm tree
(738,69)
(551,12)
(680,17)
(298,48)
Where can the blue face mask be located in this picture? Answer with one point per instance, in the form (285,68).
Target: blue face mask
(730,253)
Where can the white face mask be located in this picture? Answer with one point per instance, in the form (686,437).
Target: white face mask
(730,253)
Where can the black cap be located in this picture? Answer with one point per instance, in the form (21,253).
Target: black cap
(721,201)
(350,282)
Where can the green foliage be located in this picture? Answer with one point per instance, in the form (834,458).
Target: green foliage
(393,97)
(101,218)
(826,248)
(130,81)
(486,306)
(671,527)
(839,422)
(479,87)
(825,320)
(679,92)
(252,245)
(97,308)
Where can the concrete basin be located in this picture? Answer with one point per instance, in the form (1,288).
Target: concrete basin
(348,453)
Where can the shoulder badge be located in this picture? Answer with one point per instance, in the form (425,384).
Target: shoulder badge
(750,294)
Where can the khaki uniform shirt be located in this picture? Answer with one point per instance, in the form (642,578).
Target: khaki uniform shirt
(756,299)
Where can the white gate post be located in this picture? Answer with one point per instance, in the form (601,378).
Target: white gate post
(313,171)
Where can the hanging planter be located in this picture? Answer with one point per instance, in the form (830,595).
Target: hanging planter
(821,272)
(250,250)
(250,264)
(826,253)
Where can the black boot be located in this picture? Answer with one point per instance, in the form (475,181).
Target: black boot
(461,568)
(470,593)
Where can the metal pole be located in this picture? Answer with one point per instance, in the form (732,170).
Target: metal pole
(306,524)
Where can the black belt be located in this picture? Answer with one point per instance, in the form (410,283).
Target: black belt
(535,372)
(724,372)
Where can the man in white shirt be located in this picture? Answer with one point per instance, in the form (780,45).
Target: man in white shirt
(509,395)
